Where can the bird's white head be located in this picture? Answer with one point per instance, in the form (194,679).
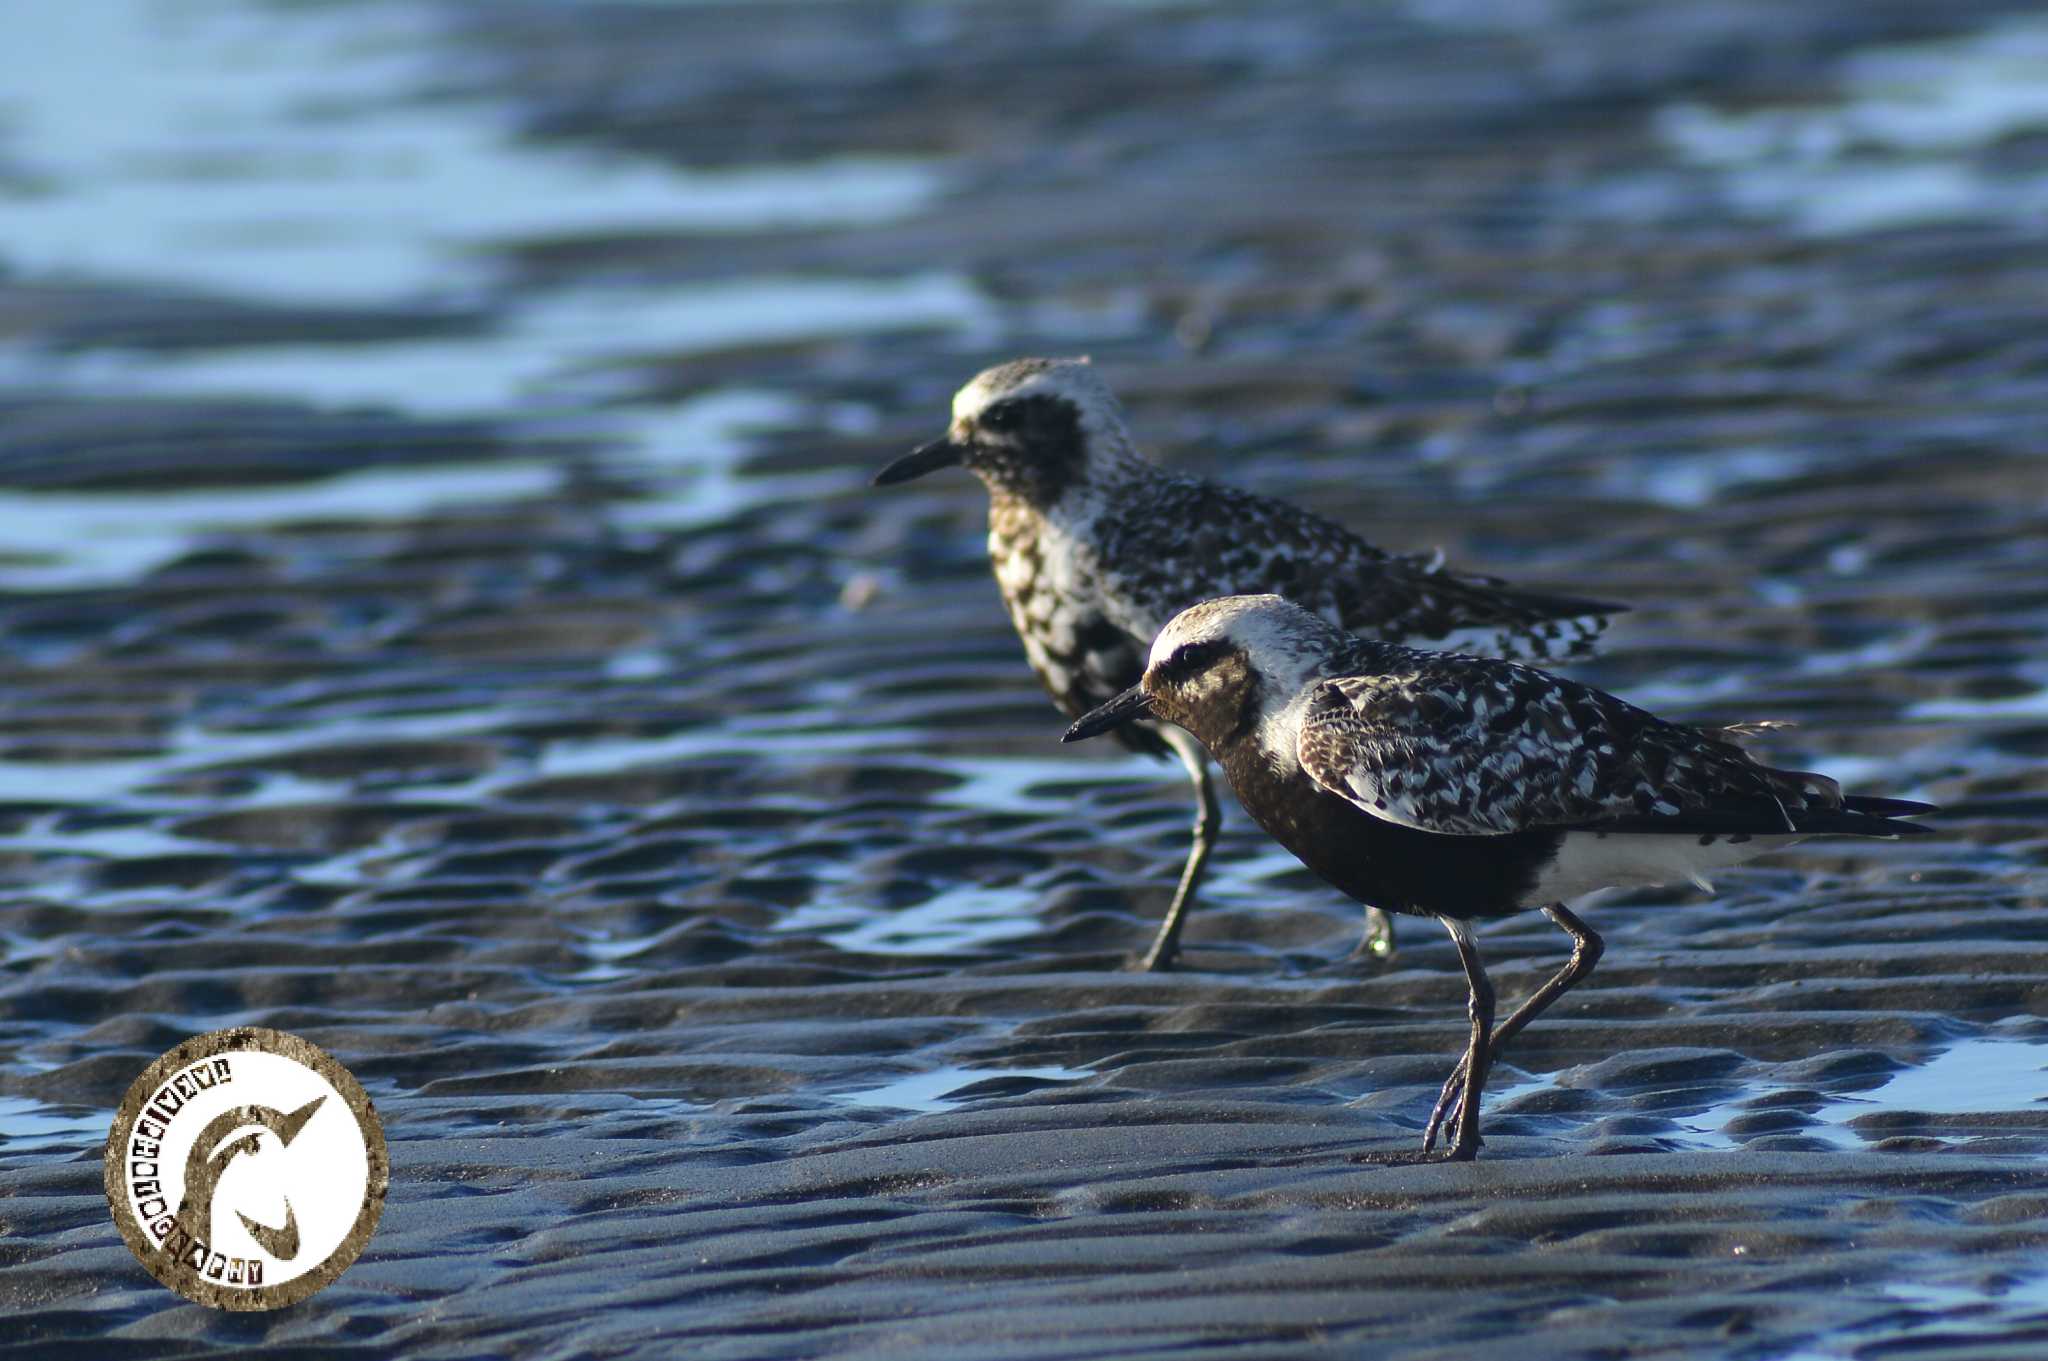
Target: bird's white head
(1227,669)
(1239,660)
(1281,642)
(1032,428)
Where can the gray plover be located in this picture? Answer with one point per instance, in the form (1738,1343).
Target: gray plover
(1095,548)
(1461,787)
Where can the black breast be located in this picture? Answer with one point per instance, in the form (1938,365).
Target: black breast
(1396,869)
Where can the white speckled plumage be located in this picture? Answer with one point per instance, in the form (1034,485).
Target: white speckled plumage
(1095,548)
(1464,787)
(1482,748)
(1079,516)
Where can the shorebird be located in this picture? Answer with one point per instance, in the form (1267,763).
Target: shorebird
(1095,548)
(1465,788)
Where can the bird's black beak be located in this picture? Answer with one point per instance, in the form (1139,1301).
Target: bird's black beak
(940,453)
(1128,707)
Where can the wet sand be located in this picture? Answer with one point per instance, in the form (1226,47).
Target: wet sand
(662,825)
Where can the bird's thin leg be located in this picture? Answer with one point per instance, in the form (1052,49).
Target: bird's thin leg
(1377,942)
(1587,947)
(1479,1051)
(1471,1068)
(1208,822)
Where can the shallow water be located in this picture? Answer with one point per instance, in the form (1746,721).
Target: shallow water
(313,153)
(445,615)
(945,1088)
(1900,146)
(1980,1075)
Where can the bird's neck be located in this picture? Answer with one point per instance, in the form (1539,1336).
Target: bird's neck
(1102,485)
(1116,468)
(1277,732)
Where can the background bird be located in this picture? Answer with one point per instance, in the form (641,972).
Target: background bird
(1095,548)
(1463,787)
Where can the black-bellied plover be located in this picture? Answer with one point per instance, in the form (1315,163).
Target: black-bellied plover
(1462,787)
(1095,548)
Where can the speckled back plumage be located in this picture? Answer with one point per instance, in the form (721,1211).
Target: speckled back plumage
(1095,548)
(1446,783)
(1479,747)
(1176,540)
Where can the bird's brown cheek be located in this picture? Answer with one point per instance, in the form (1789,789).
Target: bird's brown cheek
(1163,702)
(1246,715)
(1169,701)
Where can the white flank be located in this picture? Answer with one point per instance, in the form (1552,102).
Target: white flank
(1588,861)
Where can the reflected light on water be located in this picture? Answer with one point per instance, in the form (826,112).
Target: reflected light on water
(1898,148)
(944,1088)
(290,152)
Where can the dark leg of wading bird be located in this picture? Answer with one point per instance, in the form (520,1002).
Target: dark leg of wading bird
(1587,947)
(1479,1049)
(1208,822)
(1376,945)
(1470,1074)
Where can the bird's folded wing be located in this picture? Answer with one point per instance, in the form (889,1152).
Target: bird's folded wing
(1495,748)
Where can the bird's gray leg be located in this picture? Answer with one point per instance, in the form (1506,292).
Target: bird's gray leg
(1378,941)
(1587,947)
(1470,1074)
(1208,822)
(1479,1051)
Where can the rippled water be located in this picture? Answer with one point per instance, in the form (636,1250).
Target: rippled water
(1903,144)
(317,153)
(947,1087)
(445,616)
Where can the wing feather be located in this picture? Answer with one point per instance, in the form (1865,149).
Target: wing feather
(1469,747)
(1235,542)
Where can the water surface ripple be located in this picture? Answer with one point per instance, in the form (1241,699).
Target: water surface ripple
(444,615)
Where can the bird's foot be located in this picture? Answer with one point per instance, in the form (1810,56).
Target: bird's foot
(1450,1102)
(1360,963)
(1363,961)
(1377,944)
(1153,961)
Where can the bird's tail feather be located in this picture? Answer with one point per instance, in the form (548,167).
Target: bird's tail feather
(1886,808)
(1864,815)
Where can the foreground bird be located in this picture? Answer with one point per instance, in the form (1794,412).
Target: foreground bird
(1095,548)
(1461,787)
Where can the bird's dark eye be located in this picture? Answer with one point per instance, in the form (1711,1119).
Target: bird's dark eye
(999,417)
(1191,659)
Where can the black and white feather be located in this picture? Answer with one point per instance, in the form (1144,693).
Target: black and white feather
(1441,744)
(1095,548)
(1475,747)
(1464,787)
